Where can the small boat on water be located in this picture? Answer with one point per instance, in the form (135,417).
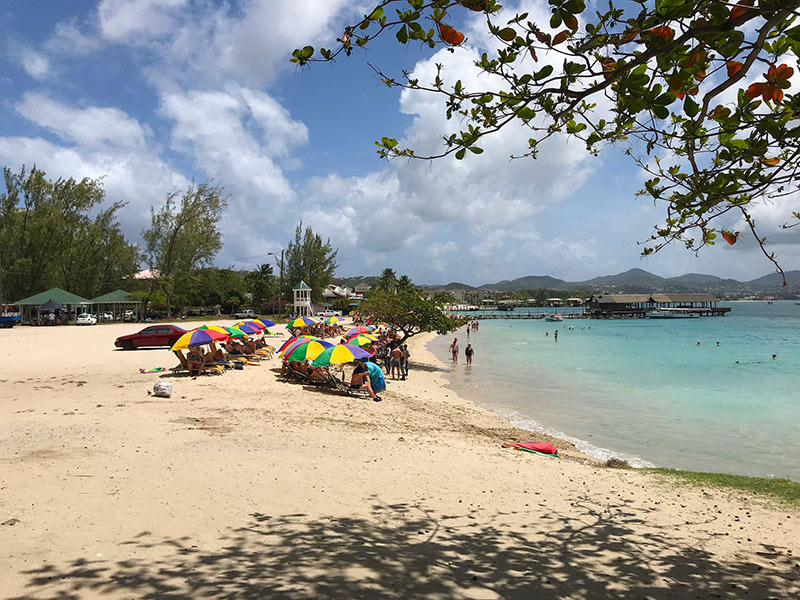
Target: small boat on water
(557,318)
(672,313)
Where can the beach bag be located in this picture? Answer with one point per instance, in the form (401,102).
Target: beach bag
(162,389)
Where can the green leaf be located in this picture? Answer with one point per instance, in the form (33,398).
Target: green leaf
(555,19)
(402,35)
(476,150)
(544,72)
(690,107)
(662,112)
(460,154)
(377,14)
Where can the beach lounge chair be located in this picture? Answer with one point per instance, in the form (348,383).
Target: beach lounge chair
(212,369)
(341,386)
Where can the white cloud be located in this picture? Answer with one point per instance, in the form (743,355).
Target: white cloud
(35,64)
(89,127)
(138,20)
(68,39)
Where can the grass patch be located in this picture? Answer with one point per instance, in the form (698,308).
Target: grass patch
(785,490)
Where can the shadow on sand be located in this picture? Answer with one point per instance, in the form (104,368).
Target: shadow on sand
(400,551)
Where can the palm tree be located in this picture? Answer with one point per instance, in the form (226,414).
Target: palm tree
(404,284)
(387,281)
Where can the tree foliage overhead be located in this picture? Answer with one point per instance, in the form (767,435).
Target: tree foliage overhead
(310,259)
(183,235)
(700,91)
(60,234)
(409,311)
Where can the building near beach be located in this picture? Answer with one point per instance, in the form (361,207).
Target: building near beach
(638,305)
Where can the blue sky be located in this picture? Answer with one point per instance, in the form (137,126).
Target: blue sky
(152,93)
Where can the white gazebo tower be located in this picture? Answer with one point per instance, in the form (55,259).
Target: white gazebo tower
(302,300)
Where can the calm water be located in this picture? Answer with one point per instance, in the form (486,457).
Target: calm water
(642,388)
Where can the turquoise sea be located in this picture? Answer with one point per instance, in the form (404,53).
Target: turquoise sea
(642,389)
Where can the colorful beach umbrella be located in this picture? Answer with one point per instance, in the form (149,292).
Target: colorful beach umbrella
(362,339)
(248,329)
(334,320)
(292,340)
(339,354)
(234,333)
(254,323)
(216,328)
(301,322)
(198,337)
(357,330)
(306,350)
(265,322)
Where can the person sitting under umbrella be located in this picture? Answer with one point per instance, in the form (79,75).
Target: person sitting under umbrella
(364,376)
(194,362)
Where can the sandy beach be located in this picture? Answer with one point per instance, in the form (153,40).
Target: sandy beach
(243,485)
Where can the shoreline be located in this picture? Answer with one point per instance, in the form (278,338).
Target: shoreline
(589,451)
(243,485)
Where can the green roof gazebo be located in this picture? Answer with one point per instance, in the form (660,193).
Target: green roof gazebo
(116,303)
(71,304)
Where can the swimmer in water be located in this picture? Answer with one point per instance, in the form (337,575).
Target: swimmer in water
(698,342)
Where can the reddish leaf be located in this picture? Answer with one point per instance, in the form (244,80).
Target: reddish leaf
(729,237)
(543,37)
(533,55)
(756,89)
(663,32)
(629,36)
(450,35)
(734,66)
(772,161)
(784,72)
(560,37)
(609,64)
(700,75)
(741,8)
(693,91)
(571,21)
(697,56)
(777,95)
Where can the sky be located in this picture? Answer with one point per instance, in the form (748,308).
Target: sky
(152,94)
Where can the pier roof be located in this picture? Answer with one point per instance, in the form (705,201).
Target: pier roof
(659,298)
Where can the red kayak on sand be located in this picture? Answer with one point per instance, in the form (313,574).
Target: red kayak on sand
(537,447)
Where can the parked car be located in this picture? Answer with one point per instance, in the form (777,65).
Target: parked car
(330,313)
(106,316)
(85,319)
(245,313)
(155,315)
(129,315)
(154,335)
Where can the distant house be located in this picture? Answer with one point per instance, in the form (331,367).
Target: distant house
(555,302)
(574,301)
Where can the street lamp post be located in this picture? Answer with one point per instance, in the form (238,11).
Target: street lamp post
(280,283)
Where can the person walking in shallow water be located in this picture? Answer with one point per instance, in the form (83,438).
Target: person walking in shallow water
(555,335)
(454,350)
(468,352)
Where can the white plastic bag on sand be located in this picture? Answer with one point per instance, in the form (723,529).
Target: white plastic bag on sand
(162,389)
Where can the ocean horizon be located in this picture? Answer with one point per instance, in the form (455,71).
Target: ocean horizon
(643,389)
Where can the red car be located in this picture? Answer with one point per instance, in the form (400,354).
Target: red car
(155,335)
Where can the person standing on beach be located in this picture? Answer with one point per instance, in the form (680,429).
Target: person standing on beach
(454,350)
(468,352)
(555,335)
(396,363)
(406,356)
